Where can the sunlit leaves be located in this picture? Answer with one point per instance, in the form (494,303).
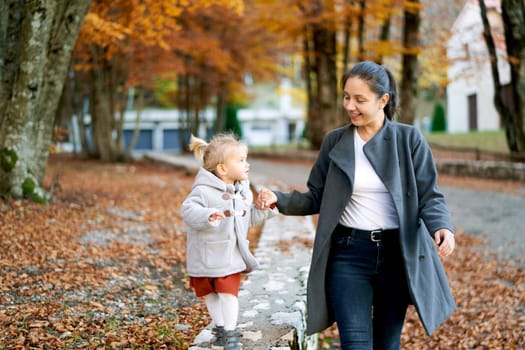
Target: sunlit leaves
(100,267)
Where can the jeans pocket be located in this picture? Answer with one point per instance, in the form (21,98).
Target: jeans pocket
(342,242)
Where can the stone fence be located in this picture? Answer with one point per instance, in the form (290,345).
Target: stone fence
(484,169)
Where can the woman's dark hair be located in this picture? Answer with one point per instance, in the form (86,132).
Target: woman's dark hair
(380,81)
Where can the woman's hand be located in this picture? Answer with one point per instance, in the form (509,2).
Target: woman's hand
(445,242)
(265,199)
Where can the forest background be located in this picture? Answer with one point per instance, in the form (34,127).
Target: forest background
(92,57)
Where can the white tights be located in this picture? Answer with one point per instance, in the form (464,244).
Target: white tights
(223,309)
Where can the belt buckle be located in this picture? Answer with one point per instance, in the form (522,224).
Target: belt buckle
(372,236)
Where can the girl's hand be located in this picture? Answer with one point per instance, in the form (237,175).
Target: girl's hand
(219,215)
(445,242)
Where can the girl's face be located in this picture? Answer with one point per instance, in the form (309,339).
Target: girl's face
(235,167)
(362,104)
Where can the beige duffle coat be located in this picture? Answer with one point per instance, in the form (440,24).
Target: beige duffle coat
(220,248)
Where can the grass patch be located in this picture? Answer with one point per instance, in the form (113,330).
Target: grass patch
(494,141)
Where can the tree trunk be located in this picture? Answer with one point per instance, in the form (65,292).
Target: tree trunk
(347,35)
(323,112)
(409,87)
(220,111)
(38,37)
(384,35)
(512,116)
(108,98)
(361,30)
(513,12)
(136,130)
(4,67)
(308,72)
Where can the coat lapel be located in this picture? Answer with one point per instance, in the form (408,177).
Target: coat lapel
(343,154)
(385,161)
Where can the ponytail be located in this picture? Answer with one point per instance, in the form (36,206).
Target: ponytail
(214,153)
(198,146)
(391,106)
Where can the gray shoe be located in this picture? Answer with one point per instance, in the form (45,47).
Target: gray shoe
(232,340)
(219,338)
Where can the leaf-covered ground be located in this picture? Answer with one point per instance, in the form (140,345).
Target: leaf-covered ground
(102,267)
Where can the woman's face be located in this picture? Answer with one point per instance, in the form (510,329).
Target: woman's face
(362,104)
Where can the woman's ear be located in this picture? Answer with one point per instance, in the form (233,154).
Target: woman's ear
(383,101)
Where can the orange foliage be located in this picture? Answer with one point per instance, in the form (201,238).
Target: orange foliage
(215,41)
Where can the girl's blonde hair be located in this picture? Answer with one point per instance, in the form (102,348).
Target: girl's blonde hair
(216,151)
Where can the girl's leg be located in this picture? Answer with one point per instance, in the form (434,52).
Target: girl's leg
(230,310)
(214,306)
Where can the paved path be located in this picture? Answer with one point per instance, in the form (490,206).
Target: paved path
(276,322)
(498,218)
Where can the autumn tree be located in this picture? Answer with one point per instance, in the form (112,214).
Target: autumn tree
(320,52)
(409,72)
(218,48)
(512,115)
(205,47)
(36,43)
(367,24)
(119,47)
(437,19)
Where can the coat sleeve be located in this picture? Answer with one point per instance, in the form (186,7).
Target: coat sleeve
(309,202)
(432,206)
(195,211)
(259,215)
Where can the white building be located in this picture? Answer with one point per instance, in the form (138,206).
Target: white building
(470,93)
(273,119)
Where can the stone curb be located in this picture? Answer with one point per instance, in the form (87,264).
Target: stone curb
(272,300)
(483,169)
(498,170)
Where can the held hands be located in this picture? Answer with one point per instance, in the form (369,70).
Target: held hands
(265,199)
(445,242)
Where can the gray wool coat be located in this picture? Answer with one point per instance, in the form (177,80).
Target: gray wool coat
(403,161)
(220,248)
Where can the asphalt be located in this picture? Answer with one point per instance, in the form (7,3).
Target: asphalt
(497,218)
(279,319)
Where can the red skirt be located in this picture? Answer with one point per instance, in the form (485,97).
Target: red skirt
(205,285)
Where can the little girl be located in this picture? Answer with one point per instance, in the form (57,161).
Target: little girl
(219,211)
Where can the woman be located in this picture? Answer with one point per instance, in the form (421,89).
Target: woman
(374,185)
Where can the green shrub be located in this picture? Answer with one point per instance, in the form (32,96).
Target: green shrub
(232,122)
(439,121)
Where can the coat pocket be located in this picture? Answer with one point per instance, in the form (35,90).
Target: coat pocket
(217,253)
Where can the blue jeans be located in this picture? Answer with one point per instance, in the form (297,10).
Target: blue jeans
(367,288)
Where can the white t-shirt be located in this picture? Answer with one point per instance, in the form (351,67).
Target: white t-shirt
(370,207)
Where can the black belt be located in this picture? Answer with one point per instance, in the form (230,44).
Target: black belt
(374,235)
